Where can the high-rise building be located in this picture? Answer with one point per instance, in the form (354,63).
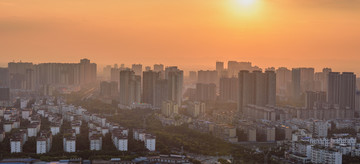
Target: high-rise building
(234,67)
(229,89)
(207,77)
(256,88)
(270,87)
(307,79)
(161,92)
(205,92)
(175,84)
(27,76)
(109,89)
(130,85)
(17,72)
(357,101)
(158,67)
(87,71)
(219,67)
(283,82)
(295,84)
(333,94)
(149,86)
(325,79)
(342,92)
(192,76)
(30,80)
(314,97)
(147,68)
(4,77)
(107,72)
(137,68)
(341,89)
(347,90)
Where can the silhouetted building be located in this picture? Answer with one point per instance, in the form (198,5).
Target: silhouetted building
(256,88)
(149,86)
(229,89)
(205,92)
(137,68)
(314,97)
(130,85)
(192,76)
(175,84)
(87,71)
(341,89)
(4,77)
(307,79)
(158,67)
(109,89)
(207,77)
(283,82)
(219,67)
(161,92)
(17,72)
(295,84)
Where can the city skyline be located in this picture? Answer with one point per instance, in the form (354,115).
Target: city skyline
(190,81)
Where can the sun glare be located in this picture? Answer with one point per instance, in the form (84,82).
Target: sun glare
(246,3)
(245,8)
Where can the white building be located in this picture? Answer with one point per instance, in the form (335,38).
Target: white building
(16,145)
(104,131)
(320,128)
(55,129)
(70,144)
(32,131)
(330,142)
(323,155)
(302,148)
(95,142)
(7,126)
(150,142)
(25,114)
(41,146)
(120,141)
(122,144)
(76,128)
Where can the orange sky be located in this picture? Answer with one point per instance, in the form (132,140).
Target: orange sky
(189,33)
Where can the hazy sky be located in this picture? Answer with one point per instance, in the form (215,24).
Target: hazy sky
(190,33)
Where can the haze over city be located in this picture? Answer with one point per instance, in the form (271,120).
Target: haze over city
(319,33)
(185,81)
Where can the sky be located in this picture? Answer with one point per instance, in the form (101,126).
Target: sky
(193,34)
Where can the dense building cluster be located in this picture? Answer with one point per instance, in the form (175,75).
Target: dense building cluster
(58,114)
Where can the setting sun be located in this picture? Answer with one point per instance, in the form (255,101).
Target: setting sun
(246,3)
